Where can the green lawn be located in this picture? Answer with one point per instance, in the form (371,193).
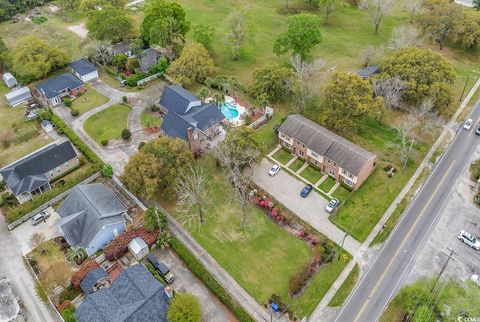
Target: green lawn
(296,165)
(345,289)
(311,174)
(89,100)
(341,193)
(327,184)
(148,119)
(113,82)
(261,259)
(282,156)
(266,135)
(107,124)
(18,137)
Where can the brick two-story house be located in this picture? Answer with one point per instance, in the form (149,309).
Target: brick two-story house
(339,158)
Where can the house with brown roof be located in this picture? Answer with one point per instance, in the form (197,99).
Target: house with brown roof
(346,162)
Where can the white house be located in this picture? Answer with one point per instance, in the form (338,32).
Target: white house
(84,70)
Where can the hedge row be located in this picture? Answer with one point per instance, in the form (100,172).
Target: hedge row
(201,272)
(76,177)
(63,128)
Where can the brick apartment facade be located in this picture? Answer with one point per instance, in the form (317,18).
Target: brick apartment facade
(339,158)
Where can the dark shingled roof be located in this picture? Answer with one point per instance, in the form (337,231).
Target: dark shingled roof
(86,210)
(28,174)
(185,110)
(149,58)
(349,156)
(92,278)
(369,71)
(82,67)
(135,296)
(121,47)
(54,86)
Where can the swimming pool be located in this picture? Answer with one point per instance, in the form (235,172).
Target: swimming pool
(229,110)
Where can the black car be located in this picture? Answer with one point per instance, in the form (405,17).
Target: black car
(477,131)
(161,268)
(306,190)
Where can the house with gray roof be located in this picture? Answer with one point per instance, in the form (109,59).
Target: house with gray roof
(341,159)
(190,119)
(134,296)
(94,280)
(90,217)
(149,58)
(84,70)
(33,174)
(51,91)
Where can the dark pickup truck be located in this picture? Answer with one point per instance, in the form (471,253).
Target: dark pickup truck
(161,268)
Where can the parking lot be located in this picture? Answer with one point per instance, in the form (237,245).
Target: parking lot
(185,281)
(286,189)
(459,214)
(24,232)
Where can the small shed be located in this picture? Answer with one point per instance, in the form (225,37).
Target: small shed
(47,126)
(9,80)
(18,96)
(369,71)
(139,248)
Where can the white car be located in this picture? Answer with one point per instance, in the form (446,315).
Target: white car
(469,239)
(41,216)
(476,279)
(274,170)
(468,124)
(330,207)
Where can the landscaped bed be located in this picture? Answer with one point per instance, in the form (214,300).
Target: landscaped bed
(89,100)
(264,257)
(150,119)
(311,174)
(282,156)
(107,124)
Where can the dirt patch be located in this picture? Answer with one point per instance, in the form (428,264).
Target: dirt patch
(79,30)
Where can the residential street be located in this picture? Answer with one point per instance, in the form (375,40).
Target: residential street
(391,267)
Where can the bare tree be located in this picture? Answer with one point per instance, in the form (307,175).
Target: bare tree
(330,6)
(405,128)
(404,36)
(368,54)
(100,52)
(377,9)
(239,172)
(390,89)
(309,75)
(425,116)
(413,6)
(37,239)
(193,193)
(236,35)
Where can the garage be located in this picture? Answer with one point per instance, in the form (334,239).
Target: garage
(18,96)
(84,70)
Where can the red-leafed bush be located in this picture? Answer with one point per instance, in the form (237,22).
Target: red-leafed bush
(64,305)
(274,212)
(118,247)
(80,274)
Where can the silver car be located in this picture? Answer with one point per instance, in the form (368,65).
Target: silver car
(38,218)
(330,207)
(274,170)
(469,240)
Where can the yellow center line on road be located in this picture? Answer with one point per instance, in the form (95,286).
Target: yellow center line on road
(403,242)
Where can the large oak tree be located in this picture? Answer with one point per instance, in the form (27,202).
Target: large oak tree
(110,24)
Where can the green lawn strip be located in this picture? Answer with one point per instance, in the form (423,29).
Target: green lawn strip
(296,165)
(397,213)
(273,255)
(107,124)
(113,82)
(282,156)
(266,134)
(341,193)
(319,286)
(89,100)
(148,119)
(327,184)
(311,174)
(345,289)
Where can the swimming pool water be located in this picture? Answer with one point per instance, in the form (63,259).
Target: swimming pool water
(229,110)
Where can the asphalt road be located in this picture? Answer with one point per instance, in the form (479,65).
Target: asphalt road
(388,272)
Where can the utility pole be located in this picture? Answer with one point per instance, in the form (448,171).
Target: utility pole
(443,268)
(345,236)
(464,87)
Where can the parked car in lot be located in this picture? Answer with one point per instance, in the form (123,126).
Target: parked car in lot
(38,218)
(274,170)
(476,279)
(161,268)
(469,239)
(330,207)
(477,131)
(468,124)
(306,190)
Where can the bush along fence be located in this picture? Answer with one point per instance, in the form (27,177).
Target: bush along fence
(324,250)
(202,273)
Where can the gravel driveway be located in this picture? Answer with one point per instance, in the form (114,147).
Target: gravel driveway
(212,309)
(286,189)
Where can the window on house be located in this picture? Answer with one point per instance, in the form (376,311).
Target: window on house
(332,172)
(350,176)
(51,173)
(66,164)
(301,153)
(286,144)
(316,162)
(334,164)
(348,182)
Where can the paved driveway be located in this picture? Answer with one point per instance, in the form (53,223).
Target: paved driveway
(23,232)
(185,281)
(286,189)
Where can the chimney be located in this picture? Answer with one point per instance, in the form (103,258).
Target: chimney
(169,291)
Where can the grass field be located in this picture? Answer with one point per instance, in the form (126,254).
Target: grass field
(327,184)
(311,174)
(296,165)
(261,259)
(107,124)
(345,289)
(18,137)
(89,100)
(282,156)
(341,193)
(148,119)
